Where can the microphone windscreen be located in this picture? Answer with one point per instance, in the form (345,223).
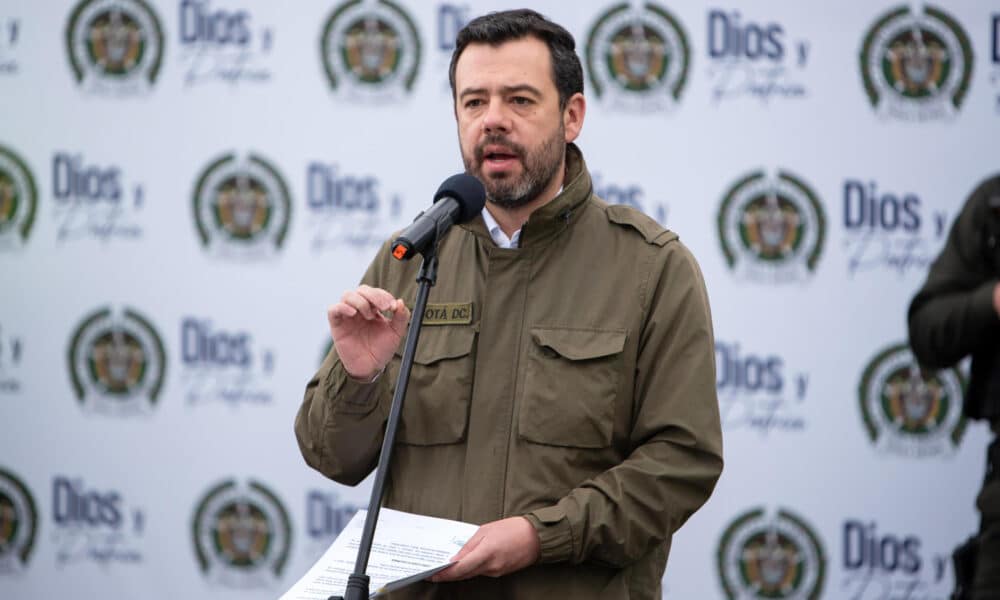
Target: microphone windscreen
(467,191)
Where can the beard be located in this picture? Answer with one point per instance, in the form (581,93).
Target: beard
(538,168)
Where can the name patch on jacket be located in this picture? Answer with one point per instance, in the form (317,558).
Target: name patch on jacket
(451,313)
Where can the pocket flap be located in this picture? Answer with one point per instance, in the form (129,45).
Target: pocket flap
(580,344)
(440,343)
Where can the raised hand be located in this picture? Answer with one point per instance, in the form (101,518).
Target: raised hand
(367,326)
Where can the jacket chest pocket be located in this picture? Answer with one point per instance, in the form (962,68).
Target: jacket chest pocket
(571,381)
(436,407)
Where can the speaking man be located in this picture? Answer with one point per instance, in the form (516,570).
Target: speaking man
(563,392)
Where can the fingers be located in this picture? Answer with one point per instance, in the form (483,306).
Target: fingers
(460,569)
(369,302)
(379,298)
(360,304)
(469,546)
(472,564)
(340,311)
(444,575)
(400,318)
(471,559)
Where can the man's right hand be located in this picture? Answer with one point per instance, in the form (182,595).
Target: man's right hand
(996,298)
(366,338)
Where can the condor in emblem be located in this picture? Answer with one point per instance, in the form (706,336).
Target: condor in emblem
(371,48)
(916,65)
(637,57)
(241,207)
(116,363)
(18,200)
(242,535)
(114,45)
(771,227)
(18,524)
(771,556)
(908,411)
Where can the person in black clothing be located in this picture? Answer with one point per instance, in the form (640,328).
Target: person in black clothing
(956,314)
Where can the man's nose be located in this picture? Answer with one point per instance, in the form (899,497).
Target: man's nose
(496,119)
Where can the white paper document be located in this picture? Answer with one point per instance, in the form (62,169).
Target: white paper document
(407,549)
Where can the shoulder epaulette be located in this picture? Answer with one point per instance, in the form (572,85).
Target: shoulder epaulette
(651,231)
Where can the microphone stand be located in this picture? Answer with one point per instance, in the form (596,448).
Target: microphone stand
(358,582)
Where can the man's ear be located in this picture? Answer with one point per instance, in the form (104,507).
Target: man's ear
(573,114)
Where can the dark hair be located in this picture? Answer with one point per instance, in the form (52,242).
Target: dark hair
(499,27)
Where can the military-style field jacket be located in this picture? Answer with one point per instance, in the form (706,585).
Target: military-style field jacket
(571,380)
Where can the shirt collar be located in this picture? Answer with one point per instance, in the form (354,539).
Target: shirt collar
(499,237)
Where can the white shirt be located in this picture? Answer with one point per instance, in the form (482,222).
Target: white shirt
(499,237)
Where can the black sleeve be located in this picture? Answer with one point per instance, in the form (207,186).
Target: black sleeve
(953,315)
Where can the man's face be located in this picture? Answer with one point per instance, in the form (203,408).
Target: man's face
(510,127)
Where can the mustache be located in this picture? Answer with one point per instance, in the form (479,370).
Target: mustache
(498,140)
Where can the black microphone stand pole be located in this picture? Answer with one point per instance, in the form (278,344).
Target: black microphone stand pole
(358,582)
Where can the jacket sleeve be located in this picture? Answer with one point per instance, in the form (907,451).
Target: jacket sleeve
(620,515)
(952,315)
(341,423)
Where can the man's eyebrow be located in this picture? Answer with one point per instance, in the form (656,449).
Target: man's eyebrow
(524,87)
(472,92)
(509,89)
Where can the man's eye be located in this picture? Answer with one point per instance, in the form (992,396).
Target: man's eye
(521,100)
(473,103)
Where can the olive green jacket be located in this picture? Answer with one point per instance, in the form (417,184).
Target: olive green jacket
(571,380)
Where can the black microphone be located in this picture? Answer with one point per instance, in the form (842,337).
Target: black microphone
(459,199)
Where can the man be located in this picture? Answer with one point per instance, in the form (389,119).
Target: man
(957,314)
(572,412)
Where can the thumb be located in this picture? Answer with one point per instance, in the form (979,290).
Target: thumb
(469,546)
(400,318)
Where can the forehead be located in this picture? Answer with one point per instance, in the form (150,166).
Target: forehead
(526,60)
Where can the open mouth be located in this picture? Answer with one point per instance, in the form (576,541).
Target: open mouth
(498,157)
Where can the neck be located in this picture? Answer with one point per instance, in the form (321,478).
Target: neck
(512,219)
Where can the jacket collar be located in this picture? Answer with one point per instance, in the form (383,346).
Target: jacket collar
(551,218)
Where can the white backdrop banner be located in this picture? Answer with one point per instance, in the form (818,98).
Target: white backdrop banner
(185,185)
